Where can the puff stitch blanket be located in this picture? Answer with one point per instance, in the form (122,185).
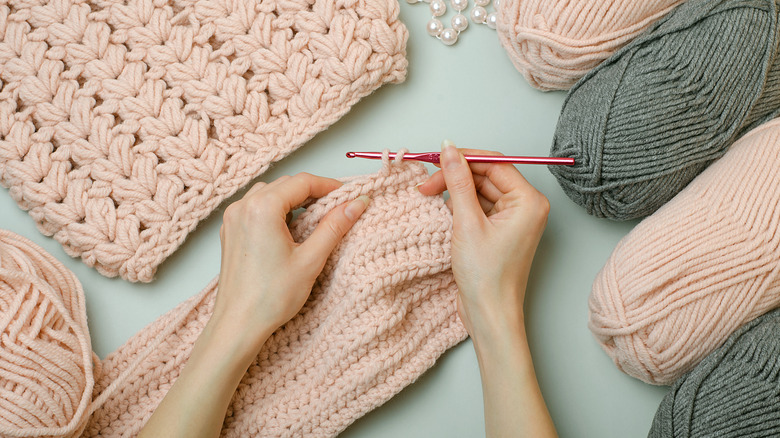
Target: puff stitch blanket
(124,123)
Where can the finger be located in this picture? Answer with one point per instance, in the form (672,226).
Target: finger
(484,203)
(434,185)
(295,190)
(487,189)
(460,185)
(466,151)
(329,232)
(255,188)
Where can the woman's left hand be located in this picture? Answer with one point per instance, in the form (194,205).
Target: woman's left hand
(266,277)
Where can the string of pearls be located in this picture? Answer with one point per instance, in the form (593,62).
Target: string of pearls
(449,36)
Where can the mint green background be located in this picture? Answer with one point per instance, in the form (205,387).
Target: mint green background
(472,94)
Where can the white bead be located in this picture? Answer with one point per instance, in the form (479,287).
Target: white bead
(411,2)
(496,4)
(435,27)
(460,22)
(492,19)
(438,8)
(482,2)
(478,14)
(459,5)
(449,36)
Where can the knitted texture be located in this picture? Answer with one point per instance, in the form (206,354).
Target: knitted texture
(734,392)
(644,123)
(380,314)
(124,123)
(689,275)
(554,43)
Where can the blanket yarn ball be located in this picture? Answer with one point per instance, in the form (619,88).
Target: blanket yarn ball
(692,273)
(46,359)
(554,43)
(644,123)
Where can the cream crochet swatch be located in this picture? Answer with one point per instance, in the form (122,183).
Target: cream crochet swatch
(124,123)
(554,43)
(691,274)
(381,313)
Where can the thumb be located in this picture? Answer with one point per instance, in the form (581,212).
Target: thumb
(332,229)
(460,183)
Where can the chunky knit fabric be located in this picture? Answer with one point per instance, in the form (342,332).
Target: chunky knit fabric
(381,313)
(703,265)
(644,123)
(554,43)
(124,123)
(734,392)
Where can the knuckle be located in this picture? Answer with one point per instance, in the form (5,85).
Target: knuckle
(460,184)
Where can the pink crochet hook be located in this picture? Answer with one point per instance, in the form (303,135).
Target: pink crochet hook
(433,157)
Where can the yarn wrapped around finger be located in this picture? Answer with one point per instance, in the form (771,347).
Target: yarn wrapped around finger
(46,359)
(554,43)
(644,123)
(699,268)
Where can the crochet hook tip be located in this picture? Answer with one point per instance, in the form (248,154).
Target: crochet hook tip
(351,155)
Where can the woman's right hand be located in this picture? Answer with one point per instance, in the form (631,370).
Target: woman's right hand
(498,219)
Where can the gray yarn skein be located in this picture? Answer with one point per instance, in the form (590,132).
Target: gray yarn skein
(646,121)
(733,392)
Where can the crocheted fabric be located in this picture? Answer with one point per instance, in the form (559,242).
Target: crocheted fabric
(124,123)
(381,313)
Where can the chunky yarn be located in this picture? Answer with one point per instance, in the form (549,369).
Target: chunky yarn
(644,123)
(704,264)
(380,314)
(554,43)
(734,392)
(46,359)
(124,123)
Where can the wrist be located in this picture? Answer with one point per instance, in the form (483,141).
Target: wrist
(233,339)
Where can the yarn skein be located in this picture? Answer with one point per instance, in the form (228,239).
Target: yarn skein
(555,43)
(644,123)
(380,314)
(703,265)
(734,392)
(125,123)
(46,359)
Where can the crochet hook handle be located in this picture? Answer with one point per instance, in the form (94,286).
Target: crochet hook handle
(433,157)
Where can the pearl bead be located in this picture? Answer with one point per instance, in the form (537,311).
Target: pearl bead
(496,4)
(492,19)
(460,22)
(435,27)
(411,2)
(459,5)
(481,2)
(478,14)
(449,36)
(438,8)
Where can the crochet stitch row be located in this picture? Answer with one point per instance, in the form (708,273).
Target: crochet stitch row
(124,123)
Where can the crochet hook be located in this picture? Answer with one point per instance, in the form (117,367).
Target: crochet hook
(433,157)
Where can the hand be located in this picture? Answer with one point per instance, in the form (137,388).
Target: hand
(498,219)
(265,276)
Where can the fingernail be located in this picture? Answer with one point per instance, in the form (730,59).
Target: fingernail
(357,207)
(450,158)
(417,187)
